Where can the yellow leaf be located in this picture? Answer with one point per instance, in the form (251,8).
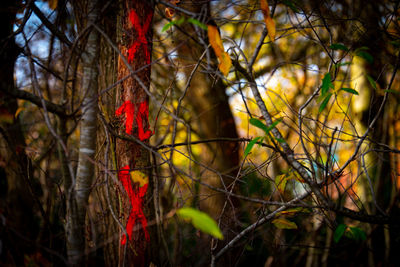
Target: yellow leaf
(280,182)
(139,177)
(269,22)
(225,62)
(284,224)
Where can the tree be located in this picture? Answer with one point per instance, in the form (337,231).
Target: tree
(205,91)
(133,158)
(153,129)
(80,188)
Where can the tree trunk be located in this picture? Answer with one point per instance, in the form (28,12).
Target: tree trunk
(214,119)
(78,195)
(366,106)
(135,44)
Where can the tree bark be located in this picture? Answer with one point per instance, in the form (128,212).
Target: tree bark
(135,44)
(214,119)
(78,195)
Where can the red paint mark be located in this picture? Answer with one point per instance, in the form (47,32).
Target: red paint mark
(128,108)
(143,114)
(141,38)
(136,199)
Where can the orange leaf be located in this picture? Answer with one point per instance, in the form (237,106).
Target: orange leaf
(269,22)
(225,61)
(264,7)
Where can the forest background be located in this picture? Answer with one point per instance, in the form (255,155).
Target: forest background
(195,133)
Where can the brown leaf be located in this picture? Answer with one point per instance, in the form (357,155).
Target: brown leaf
(53,4)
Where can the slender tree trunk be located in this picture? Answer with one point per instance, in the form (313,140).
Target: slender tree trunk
(135,44)
(79,193)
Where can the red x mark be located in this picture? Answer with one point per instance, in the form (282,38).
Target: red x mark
(136,200)
(128,108)
(141,39)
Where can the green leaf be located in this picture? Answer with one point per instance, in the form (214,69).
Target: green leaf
(250,145)
(372,81)
(338,47)
(344,64)
(326,84)
(357,234)
(280,140)
(365,55)
(324,103)
(180,21)
(392,91)
(197,23)
(349,90)
(395,43)
(282,223)
(290,4)
(339,232)
(201,221)
(273,125)
(258,124)
(173,22)
(167,26)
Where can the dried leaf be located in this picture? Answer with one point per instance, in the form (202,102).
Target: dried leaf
(280,182)
(169,12)
(284,224)
(18,111)
(269,22)
(293,211)
(53,4)
(225,62)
